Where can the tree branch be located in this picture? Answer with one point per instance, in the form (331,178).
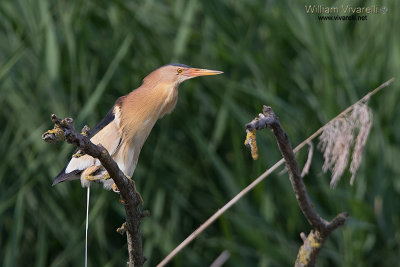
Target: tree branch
(130,198)
(313,243)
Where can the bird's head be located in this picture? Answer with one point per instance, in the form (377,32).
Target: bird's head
(175,74)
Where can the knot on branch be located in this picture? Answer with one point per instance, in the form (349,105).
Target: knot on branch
(64,130)
(85,130)
(121,230)
(57,134)
(54,135)
(339,220)
(263,120)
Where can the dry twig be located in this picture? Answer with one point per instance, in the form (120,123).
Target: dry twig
(323,228)
(221,259)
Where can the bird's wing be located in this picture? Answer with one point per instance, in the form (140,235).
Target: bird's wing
(107,133)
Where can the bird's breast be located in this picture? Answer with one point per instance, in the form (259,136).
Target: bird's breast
(137,117)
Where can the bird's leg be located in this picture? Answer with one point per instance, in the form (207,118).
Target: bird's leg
(103,176)
(95,173)
(116,190)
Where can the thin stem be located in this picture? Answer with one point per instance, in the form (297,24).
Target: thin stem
(87,223)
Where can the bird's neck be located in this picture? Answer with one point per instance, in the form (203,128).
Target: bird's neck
(168,100)
(144,106)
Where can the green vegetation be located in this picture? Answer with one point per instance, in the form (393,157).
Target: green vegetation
(75,58)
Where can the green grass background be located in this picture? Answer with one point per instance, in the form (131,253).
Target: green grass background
(74,58)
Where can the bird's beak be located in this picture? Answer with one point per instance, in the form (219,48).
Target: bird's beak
(202,72)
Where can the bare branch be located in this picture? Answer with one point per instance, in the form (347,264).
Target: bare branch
(64,130)
(221,259)
(314,241)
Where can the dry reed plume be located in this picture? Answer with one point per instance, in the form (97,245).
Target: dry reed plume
(338,138)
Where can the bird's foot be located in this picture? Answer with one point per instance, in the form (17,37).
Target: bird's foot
(106,176)
(103,176)
(116,190)
(91,178)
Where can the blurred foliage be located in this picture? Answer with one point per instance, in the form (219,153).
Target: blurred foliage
(74,58)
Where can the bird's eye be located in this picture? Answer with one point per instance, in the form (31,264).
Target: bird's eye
(179,70)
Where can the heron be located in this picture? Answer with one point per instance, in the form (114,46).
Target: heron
(125,128)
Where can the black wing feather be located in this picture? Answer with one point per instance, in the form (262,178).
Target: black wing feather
(109,117)
(62,176)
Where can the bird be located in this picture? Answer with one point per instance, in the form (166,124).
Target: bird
(125,128)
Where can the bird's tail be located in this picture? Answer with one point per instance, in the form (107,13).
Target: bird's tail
(87,223)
